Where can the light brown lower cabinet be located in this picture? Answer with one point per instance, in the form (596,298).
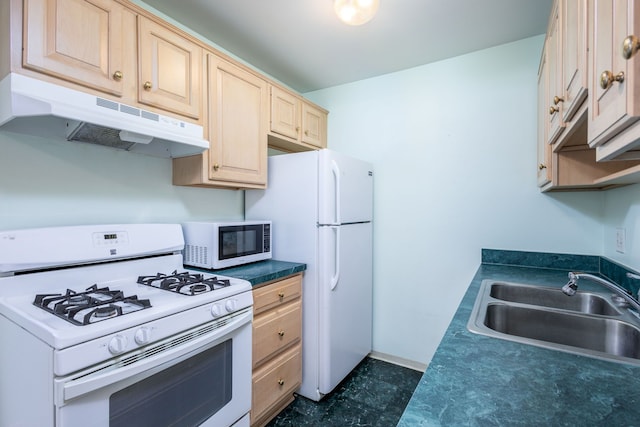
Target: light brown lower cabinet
(277,347)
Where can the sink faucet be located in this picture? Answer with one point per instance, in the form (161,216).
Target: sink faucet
(572,286)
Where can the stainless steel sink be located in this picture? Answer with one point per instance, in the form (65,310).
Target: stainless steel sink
(583,302)
(545,317)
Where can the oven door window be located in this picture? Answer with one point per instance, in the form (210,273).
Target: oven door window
(236,241)
(185,394)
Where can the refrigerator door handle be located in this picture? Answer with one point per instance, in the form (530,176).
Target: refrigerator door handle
(336,173)
(336,252)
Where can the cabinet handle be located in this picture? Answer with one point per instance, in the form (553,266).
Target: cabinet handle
(306,132)
(557,100)
(297,129)
(281,295)
(147,85)
(216,167)
(607,78)
(553,109)
(542,166)
(630,46)
(117,76)
(280,382)
(281,333)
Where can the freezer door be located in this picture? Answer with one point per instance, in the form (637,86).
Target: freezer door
(346,292)
(345,189)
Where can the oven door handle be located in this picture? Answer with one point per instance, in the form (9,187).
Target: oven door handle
(110,373)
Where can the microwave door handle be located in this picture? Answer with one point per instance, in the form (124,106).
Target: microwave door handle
(336,194)
(336,253)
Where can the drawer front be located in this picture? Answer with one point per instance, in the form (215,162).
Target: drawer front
(276,330)
(277,294)
(275,380)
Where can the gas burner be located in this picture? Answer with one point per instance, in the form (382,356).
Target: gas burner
(93,305)
(184,283)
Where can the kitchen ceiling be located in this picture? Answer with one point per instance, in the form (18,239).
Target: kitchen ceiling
(304,45)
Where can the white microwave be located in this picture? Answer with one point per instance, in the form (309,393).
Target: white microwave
(217,245)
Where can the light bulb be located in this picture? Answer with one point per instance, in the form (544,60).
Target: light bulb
(355,12)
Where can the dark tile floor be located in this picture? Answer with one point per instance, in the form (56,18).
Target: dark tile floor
(373,395)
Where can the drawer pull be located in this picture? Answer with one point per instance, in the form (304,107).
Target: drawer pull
(281,333)
(280,382)
(281,295)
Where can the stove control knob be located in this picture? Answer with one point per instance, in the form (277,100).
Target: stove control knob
(118,344)
(230,305)
(216,310)
(143,335)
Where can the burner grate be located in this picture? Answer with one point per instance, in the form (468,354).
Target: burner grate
(91,306)
(184,283)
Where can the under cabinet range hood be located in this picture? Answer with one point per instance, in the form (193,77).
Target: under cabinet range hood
(39,108)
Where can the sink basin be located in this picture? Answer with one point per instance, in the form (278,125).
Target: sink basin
(599,334)
(586,323)
(582,302)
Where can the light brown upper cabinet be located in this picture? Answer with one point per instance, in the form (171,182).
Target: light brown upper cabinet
(238,114)
(544,148)
(565,159)
(81,41)
(615,91)
(296,124)
(555,96)
(170,70)
(574,15)
(238,108)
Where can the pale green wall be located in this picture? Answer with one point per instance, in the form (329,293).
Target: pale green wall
(622,210)
(50,183)
(454,150)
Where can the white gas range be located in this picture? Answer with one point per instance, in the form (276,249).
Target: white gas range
(103,326)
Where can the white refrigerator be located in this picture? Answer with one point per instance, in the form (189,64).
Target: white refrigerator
(321,205)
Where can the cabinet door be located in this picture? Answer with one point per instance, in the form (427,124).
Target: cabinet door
(613,101)
(544,148)
(238,108)
(313,126)
(170,70)
(574,56)
(554,80)
(285,113)
(77,40)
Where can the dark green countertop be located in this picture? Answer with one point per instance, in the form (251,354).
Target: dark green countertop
(262,271)
(474,380)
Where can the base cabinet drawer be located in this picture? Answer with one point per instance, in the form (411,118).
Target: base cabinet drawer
(275,331)
(275,383)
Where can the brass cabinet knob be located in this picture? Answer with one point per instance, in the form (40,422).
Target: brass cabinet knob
(147,85)
(281,295)
(542,166)
(630,45)
(607,78)
(297,129)
(306,132)
(553,109)
(280,382)
(216,167)
(281,333)
(557,100)
(117,76)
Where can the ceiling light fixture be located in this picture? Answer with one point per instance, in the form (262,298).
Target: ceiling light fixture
(355,12)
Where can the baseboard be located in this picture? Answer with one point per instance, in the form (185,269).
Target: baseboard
(411,364)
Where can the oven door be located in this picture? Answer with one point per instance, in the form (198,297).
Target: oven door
(199,377)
